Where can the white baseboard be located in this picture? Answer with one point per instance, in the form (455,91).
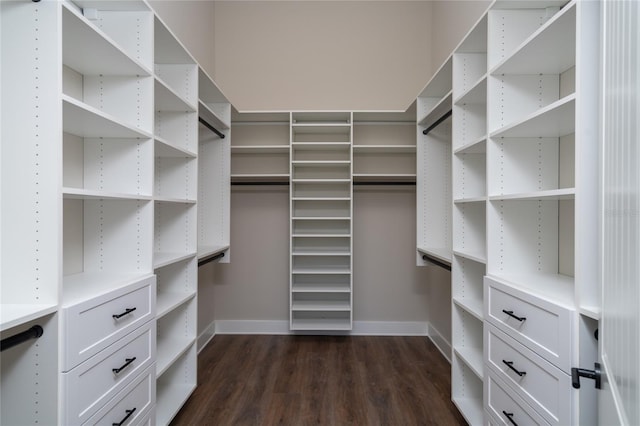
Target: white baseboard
(360,328)
(205,337)
(443,345)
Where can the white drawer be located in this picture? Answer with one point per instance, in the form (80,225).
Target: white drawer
(546,328)
(505,407)
(137,401)
(90,385)
(539,383)
(91,326)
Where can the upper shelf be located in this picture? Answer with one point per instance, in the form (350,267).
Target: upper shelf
(168,100)
(550,50)
(89,51)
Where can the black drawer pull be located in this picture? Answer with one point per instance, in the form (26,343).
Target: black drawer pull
(509,417)
(127,312)
(510,365)
(510,313)
(129,413)
(125,365)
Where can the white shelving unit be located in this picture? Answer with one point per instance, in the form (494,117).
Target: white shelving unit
(384,147)
(321,227)
(433,164)
(522,84)
(260,149)
(214,168)
(113,202)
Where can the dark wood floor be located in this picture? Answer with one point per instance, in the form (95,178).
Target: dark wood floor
(321,380)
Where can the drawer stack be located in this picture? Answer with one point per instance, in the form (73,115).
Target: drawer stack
(527,354)
(108,359)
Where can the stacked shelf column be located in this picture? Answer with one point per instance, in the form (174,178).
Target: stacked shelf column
(321,221)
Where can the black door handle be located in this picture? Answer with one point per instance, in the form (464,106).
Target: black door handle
(129,413)
(511,314)
(510,365)
(125,365)
(594,374)
(126,312)
(510,418)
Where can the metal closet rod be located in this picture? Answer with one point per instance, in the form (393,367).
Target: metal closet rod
(436,262)
(210,259)
(210,127)
(437,123)
(32,333)
(373,183)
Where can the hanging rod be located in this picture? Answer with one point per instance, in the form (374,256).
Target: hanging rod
(383,182)
(210,127)
(437,122)
(436,262)
(210,259)
(32,333)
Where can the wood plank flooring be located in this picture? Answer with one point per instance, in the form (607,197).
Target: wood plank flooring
(321,380)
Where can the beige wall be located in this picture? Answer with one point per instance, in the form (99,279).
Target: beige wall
(315,55)
(451,21)
(192,21)
(255,285)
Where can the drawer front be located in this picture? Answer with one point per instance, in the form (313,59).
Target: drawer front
(539,383)
(90,385)
(545,328)
(93,325)
(502,404)
(134,405)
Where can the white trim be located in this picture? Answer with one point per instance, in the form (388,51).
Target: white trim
(360,328)
(206,335)
(440,342)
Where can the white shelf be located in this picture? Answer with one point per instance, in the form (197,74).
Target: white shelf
(317,271)
(552,194)
(321,253)
(479,146)
(211,117)
(476,257)
(87,285)
(593,312)
(165,148)
(319,305)
(320,288)
(302,235)
(470,409)
(383,149)
(477,94)
(320,180)
(86,121)
(321,218)
(174,200)
(161,259)
(438,110)
(166,99)
(320,163)
(170,399)
(550,50)
(440,253)
(169,350)
(12,315)
(321,198)
(90,51)
(88,194)
(260,149)
(470,200)
(319,146)
(167,302)
(207,251)
(474,307)
(472,358)
(552,121)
